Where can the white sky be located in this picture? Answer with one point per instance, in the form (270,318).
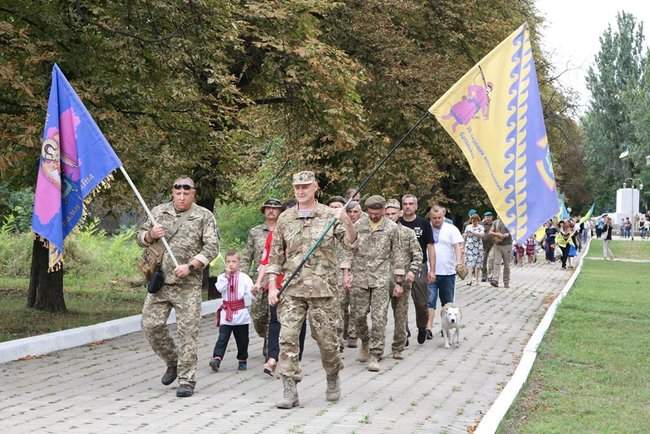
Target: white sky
(572,31)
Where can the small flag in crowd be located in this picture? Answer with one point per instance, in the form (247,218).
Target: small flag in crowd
(494,113)
(563,214)
(75,158)
(589,214)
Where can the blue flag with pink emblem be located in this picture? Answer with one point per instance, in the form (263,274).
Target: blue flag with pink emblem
(75,158)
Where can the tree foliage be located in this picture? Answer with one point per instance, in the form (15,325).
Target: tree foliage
(241,94)
(612,123)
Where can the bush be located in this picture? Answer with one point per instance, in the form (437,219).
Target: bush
(16,253)
(234,220)
(16,209)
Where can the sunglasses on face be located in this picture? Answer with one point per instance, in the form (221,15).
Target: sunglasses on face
(183,187)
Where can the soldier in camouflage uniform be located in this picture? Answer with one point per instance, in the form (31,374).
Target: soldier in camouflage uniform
(349,329)
(488,242)
(372,275)
(313,290)
(409,258)
(250,261)
(192,235)
(343,281)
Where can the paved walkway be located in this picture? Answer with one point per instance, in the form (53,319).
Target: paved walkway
(114,386)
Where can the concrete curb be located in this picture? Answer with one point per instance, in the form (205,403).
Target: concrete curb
(490,422)
(57,341)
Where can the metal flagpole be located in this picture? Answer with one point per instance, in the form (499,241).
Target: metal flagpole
(146,209)
(363,184)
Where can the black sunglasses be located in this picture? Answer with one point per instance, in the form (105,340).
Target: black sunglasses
(183,186)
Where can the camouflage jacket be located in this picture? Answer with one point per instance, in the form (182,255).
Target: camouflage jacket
(292,238)
(192,234)
(409,253)
(253,251)
(376,257)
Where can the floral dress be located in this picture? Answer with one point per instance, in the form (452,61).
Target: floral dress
(474,246)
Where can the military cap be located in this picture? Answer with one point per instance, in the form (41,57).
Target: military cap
(338,199)
(487,214)
(375,201)
(304,177)
(271,203)
(393,203)
(471,212)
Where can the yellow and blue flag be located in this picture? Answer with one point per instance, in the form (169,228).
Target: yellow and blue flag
(494,113)
(589,214)
(563,214)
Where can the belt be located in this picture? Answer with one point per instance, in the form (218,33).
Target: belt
(230,307)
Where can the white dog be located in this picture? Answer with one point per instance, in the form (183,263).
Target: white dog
(451,317)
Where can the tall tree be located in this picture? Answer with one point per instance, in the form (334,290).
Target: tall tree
(607,124)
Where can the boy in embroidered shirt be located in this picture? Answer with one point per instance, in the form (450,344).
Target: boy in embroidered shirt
(233,316)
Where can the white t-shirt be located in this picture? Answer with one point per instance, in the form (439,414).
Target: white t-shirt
(445,238)
(244,287)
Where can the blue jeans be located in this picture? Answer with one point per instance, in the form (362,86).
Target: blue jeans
(443,287)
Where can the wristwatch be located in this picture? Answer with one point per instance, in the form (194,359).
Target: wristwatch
(191,267)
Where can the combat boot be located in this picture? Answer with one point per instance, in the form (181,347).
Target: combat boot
(290,399)
(170,374)
(363,352)
(373,363)
(397,355)
(333,392)
(352,342)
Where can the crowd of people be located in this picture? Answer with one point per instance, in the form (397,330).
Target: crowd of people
(373,255)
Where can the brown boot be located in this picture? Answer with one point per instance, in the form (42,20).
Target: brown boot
(333,392)
(373,363)
(290,399)
(363,352)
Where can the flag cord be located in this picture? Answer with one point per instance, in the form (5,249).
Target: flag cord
(363,184)
(146,209)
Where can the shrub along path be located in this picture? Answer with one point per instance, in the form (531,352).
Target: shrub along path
(114,386)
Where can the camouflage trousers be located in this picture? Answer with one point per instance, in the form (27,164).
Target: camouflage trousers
(323,314)
(400,307)
(349,329)
(375,302)
(186,301)
(260,314)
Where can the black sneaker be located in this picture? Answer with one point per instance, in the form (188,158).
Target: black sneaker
(215,363)
(422,335)
(184,391)
(429,335)
(170,375)
(242,365)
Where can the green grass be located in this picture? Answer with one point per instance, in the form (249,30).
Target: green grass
(18,321)
(637,249)
(592,373)
(101,280)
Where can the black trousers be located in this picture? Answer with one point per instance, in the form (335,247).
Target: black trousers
(241,338)
(273,342)
(420,296)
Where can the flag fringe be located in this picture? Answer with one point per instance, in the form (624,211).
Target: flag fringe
(55,260)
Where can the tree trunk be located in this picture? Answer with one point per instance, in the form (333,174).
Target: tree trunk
(45,289)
